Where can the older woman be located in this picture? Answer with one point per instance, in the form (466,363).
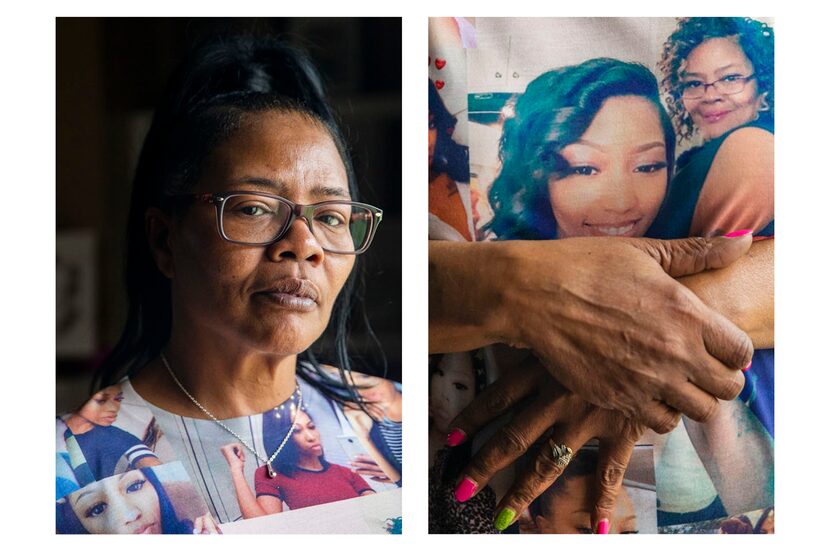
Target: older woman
(243,235)
(718,75)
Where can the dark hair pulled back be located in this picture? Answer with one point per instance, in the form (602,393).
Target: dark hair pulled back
(220,82)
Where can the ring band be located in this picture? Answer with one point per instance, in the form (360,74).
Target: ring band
(561,455)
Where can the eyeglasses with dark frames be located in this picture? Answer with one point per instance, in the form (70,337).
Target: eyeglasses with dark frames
(728,85)
(260,219)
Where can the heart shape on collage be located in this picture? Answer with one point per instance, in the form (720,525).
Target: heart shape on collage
(439,84)
(439,63)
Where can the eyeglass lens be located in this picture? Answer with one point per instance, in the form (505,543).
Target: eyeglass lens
(728,85)
(253,219)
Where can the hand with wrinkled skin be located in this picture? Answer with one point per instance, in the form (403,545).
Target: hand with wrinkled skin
(605,316)
(557,417)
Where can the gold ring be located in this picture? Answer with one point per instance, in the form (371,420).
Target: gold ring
(561,455)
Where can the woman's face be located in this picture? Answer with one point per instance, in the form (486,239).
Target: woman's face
(617,174)
(102,409)
(306,436)
(716,113)
(451,389)
(234,290)
(568,510)
(124,504)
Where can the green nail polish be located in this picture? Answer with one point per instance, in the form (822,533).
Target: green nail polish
(504,519)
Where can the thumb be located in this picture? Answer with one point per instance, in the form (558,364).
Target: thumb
(688,256)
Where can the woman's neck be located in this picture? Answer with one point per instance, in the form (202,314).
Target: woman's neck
(228,381)
(78,424)
(310,462)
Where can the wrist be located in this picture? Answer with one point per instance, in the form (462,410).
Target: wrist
(463,295)
(522,273)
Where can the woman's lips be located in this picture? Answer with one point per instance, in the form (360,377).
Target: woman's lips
(615,229)
(146,529)
(715,116)
(294,294)
(289,301)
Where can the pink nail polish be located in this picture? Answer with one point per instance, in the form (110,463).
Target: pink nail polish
(465,490)
(455,437)
(747,367)
(602,526)
(737,233)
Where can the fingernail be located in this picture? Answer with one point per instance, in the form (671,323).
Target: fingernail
(602,526)
(465,490)
(505,518)
(737,233)
(747,367)
(455,437)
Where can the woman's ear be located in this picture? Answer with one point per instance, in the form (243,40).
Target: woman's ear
(157,227)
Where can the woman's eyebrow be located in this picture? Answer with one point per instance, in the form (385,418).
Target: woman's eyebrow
(718,70)
(648,146)
(330,191)
(82,494)
(588,143)
(277,187)
(281,189)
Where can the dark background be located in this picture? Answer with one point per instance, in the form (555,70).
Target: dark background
(110,75)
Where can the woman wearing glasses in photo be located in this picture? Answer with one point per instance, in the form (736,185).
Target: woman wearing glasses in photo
(243,231)
(589,152)
(718,76)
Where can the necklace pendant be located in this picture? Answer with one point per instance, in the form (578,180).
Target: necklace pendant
(271,473)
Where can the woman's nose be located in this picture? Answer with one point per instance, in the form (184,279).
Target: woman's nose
(619,196)
(128,513)
(711,94)
(298,243)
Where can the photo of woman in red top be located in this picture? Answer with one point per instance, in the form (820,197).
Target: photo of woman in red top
(303,476)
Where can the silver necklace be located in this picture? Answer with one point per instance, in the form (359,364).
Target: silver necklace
(267,462)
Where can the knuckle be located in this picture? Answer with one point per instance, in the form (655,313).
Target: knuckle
(513,442)
(499,401)
(696,249)
(666,422)
(709,411)
(522,496)
(739,350)
(732,387)
(610,477)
